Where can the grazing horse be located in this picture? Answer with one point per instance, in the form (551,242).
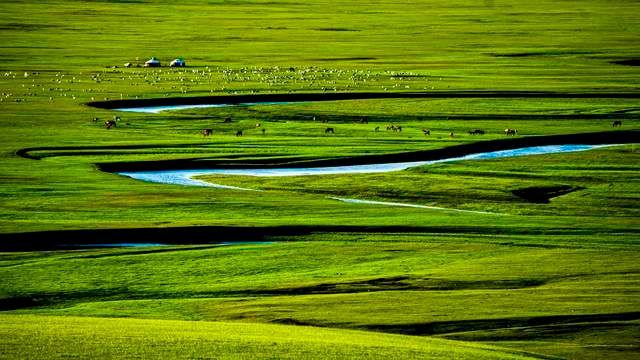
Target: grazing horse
(511,132)
(227,120)
(207,132)
(377,129)
(239,133)
(109,124)
(616,123)
(476,132)
(426,132)
(329,130)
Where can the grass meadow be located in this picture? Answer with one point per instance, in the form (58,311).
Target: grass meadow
(525,257)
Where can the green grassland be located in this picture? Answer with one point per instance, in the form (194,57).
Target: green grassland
(407,284)
(533,256)
(111,338)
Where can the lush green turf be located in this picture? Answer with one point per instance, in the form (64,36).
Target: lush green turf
(557,278)
(398,283)
(112,338)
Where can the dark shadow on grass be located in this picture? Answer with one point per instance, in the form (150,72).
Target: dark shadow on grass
(53,151)
(307,97)
(545,53)
(209,235)
(445,327)
(543,194)
(392,283)
(627,62)
(397,283)
(56,298)
(346,59)
(401,283)
(338,29)
(541,332)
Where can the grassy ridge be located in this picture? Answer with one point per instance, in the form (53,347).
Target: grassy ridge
(118,338)
(384,271)
(408,284)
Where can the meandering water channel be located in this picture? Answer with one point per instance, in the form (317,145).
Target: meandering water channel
(160,108)
(186,176)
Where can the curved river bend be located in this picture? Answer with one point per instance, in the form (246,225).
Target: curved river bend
(186,177)
(160,108)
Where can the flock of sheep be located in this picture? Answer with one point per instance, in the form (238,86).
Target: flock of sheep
(114,82)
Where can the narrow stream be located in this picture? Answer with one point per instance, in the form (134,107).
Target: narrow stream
(158,109)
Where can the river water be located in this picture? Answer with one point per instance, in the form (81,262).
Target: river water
(186,177)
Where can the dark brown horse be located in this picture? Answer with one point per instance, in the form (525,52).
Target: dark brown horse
(426,132)
(616,123)
(329,131)
(476,132)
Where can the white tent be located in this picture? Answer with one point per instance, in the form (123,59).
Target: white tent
(179,62)
(153,62)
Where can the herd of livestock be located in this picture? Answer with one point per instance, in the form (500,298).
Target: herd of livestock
(108,124)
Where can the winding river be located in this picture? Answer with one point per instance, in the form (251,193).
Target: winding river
(186,176)
(160,108)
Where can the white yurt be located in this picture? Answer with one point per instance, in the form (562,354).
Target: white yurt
(179,62)
(153,62)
